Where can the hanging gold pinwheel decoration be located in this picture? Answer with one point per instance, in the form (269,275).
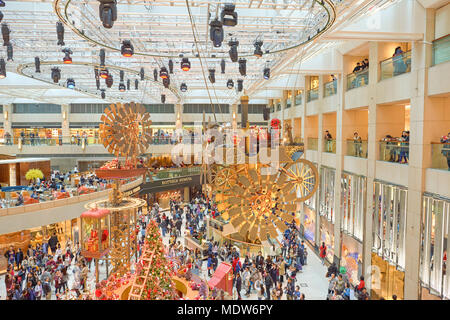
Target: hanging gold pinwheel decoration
(260,199)
(125,129)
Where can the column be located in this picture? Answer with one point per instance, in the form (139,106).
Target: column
(186,194)
(371,162)
(303,114)
(234,113)
(65,127)
(179,116)
(244,111)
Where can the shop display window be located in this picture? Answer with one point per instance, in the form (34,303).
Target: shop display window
(309,224)
(434,245)
(353,204)
(91,135)
(389,223)
(327,236)
(351,258)
(326,193)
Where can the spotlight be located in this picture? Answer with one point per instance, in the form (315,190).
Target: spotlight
(102,56)
(107,12)
(142,74)
(183,87)
(67,58)
(163,98)
(127,49)
(9,52)
(266,73)
(155,74)
(185,64)
(97,76)
(240,85)
(233,50)
(56,75)
(136,84)
(170,66)
(128,84)
(103,94)
(121,87)
(2,68)
(243,67)
(258,51)
(109,81)
(70,83)
(230,84)
(2,3)
(228,16)
(5,34)
(37,64)
(222,66)
(216,33)
(121,73)
(166,82)
(60,33)
(163,73)
(97,83)
(212,76)
(104,73)
(1,16)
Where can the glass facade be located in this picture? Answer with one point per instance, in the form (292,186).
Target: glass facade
(353,204)
(208,108)
(326,193)
(36,108)
(434,245)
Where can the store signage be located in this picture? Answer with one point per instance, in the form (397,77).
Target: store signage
(168,184)
(131,192)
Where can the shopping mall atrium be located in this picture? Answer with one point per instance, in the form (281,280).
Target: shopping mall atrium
(224,149)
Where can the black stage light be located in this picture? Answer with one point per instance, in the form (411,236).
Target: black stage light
(142,74)
(2,3)
(240,85)
(127,49)
(56,75)
(228,15)
(2,68)
(233,52)
(5,34)
(183,87)
(9,52)
(170,66)
(230,84)
(185,64)
(37,64)
(60,33)
(216,33)
(243,67)
(155,74)
(103,94)
(70,83)
(102,56)
(1,16)
(163,98)
(121,87)
(258,51)
(103,73)
(128,84)
(222,66)
(96,73)
(109,81)
(67,58)
(266,73)
(121,73)
(212,76)
(136,84)
(97,83)
(107,12)
(166,82)
(163,73)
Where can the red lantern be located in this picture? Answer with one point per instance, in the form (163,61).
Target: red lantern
(98,293)
(275,123)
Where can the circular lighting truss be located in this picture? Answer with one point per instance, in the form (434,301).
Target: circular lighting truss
(291,25)
(85,80)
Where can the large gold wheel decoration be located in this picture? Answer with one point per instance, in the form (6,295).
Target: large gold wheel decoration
(302,178)
(125,129)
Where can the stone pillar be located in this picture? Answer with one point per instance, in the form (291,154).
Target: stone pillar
(7,119)
(244,111)
(65,127)
(179,116)
(186,194)
(234,113)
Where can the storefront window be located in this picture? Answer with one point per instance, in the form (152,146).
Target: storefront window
(352,258)
(327,236)
(309,224)
(434,244)
(389,223)
(353,203)
(326,187)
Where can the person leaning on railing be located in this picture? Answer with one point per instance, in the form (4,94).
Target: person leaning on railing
(357,141)
(446,148)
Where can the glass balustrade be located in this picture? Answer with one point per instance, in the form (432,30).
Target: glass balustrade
(298,99)
(312,94)
(395,66)
(312,143)
(358,79)
(330,88)
(69,140)
(329,146)
(357,148)
(440,156)
(441,50)
(394,151)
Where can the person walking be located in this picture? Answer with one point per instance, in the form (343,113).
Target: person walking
(238,284)
(323,252)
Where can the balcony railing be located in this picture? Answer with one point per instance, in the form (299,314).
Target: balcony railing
(394,151)
(395,66)
(278,106)
(288,103)
(356,148)
(441,50)
(440,156)
(312,144)
(312,94)
(298,99)
(329,146)
(358,79)
(330,88)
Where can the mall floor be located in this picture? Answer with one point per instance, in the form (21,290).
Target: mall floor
(311,280)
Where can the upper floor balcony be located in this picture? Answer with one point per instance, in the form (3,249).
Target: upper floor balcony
(312,94)
(440,156)
(329,88)
(358,79)
(356,148)
(396,65)
(298,99)
(441,50)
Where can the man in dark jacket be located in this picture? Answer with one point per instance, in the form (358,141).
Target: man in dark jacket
(19,257)
(259,260)
(290,289)
(238,283)
(53,242)
(268,282)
